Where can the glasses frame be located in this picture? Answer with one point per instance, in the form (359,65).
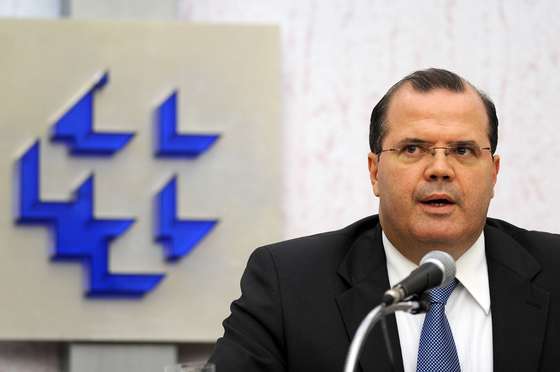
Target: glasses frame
(432,149)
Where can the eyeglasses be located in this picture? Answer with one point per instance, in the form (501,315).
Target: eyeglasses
(465,153)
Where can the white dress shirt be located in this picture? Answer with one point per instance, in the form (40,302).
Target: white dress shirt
(467,310)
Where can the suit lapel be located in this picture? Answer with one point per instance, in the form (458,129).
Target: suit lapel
(364,269)
(519,308)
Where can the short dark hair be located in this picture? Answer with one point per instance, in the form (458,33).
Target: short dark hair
(425,81)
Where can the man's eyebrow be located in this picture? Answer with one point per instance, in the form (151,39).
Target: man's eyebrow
(413,141)
(419,141)
(464,143)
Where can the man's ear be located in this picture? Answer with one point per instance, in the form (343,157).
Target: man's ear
(496,160)
(373,161)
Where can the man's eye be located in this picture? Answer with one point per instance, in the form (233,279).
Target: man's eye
(463,150)
(410,149)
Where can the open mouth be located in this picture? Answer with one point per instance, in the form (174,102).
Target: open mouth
(437,202)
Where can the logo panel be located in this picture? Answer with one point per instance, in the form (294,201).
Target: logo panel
(130,215)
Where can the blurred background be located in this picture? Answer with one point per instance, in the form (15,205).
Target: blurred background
(337,60)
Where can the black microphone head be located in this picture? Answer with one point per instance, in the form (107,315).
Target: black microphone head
(445,262)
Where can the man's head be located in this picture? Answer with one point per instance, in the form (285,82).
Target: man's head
(425,81)
(432,139)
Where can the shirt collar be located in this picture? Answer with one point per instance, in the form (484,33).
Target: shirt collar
(472,270)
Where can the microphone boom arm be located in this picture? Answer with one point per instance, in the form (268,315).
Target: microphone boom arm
(369,322)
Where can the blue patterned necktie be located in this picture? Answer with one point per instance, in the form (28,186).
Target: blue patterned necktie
(437,351)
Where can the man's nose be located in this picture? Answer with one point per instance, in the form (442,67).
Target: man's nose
(439,167)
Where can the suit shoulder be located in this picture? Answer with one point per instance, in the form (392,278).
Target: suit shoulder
(537,242)
(333,243)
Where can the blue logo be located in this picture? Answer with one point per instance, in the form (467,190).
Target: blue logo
(79,236)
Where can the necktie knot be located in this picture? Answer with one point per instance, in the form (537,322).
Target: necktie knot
(440,295)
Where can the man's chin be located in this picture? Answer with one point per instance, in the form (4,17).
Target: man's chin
(439,236)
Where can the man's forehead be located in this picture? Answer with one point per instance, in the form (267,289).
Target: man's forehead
(439,105)
(407,96)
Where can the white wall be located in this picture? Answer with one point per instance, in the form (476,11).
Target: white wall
(30,8)
(339,57)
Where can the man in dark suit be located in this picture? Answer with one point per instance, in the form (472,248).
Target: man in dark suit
(433,166)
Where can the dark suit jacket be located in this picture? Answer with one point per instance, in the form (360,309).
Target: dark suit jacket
(302,301)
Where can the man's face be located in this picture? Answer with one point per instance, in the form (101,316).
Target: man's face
(436,201)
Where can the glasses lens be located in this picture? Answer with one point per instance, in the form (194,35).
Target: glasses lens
(412,152)
(464,153)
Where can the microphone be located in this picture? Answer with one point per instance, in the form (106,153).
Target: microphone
(437,269)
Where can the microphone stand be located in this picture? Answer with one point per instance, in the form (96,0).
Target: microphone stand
(379,312)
